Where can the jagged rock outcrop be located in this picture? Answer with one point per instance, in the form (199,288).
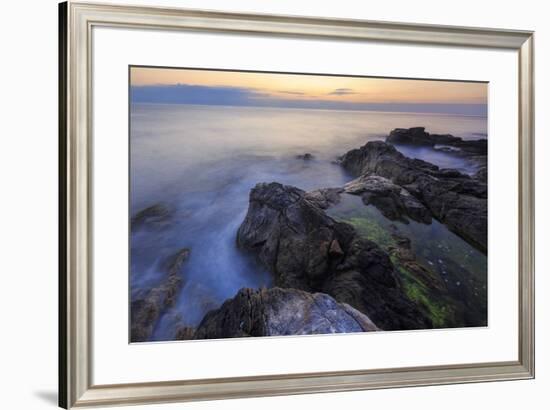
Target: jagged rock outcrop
(279,312)
(419,136)
(393,201)
(454,198)
(325,197)
(306,249)
(147,307)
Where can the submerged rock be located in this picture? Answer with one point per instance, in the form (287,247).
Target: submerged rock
(278,312)
(406,258)
(424,285)
(306,249)
(454,198)
(147,308)
(156,215)
(306,157)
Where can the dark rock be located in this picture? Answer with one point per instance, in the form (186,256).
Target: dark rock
(472,147)
(335,249)
(294,239)
(147,307)
(481,174)
(278,312)
(453,198)
(447,142)
(392,200)
(306,157)
(449,173)
(184,333)
(156,216)
(419,136)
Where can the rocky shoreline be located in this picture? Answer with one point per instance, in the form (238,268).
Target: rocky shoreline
(336,276)
(453,198)
(419,136)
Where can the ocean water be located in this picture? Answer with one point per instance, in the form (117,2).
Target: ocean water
(202,161)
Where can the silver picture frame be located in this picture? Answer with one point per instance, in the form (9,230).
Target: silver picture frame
(76,21)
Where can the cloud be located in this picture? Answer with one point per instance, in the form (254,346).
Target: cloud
(250,97)
(291,92)
(342,91)
(193,94)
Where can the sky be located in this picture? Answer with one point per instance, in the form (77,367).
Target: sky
(237,88)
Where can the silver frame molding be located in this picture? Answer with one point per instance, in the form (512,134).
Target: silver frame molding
(76,21)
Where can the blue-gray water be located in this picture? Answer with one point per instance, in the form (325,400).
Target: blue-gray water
(203,161)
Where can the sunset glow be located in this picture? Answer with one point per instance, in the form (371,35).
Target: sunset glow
(237,88)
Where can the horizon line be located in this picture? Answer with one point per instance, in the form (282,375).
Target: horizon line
(325,109)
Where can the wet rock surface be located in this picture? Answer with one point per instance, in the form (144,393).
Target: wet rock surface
(308,250)
(344,273)
(155,216)
(392,200)
(453,198)
(147,307)
(325,197)
(279,312)
(419,136)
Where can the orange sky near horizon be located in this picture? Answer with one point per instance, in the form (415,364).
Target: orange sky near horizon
(321,87)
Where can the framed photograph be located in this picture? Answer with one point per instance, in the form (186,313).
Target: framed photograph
(258,205)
